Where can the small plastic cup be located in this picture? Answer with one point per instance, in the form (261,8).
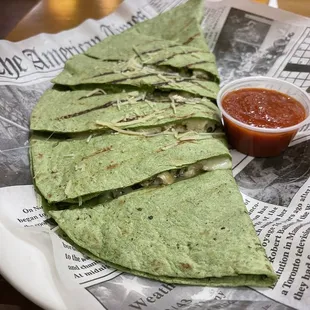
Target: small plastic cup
(257,141)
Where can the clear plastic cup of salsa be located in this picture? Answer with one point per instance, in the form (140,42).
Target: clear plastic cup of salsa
(255,139)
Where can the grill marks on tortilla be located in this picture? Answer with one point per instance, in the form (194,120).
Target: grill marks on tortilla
(169,85)
(159,49)
(103,150)
(133,78)
(199,63)
(190,39)
(93,162)
(112,166)
(82,112)
(178,54)
(139,64)
(158,62)
(105,73)
(117,102)
(185,266)
(175,77)
(106,105)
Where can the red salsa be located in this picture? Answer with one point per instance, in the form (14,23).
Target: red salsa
(263,108)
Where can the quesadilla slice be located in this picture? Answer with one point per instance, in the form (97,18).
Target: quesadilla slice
(83,111)
(150,51)
(203,237)
(162,53)
(73,168)
(175,58)
(83,70)
(181,25)
(178,28)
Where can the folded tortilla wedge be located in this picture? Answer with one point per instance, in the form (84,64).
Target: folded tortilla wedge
(149,55)
(75,168)
(83,110)
(203,237)
(173,39)
(83,70)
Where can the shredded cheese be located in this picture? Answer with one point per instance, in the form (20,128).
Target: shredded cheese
(118,104)
(132,133)
(147,59)
(127,74)
(138,121)
(177,98)
(95,92)
(160,117)
(115,128)
(68,188)
(162,77)
(133,64)
(172,104)
(173,107)
(151,104)
(167,147)
(195,56)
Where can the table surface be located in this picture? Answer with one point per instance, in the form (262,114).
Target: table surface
(52,16)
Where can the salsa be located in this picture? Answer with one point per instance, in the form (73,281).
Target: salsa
(261,109)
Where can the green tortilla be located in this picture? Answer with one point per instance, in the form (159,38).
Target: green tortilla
(150,55)
(68,169)
(83,70)
(181,25)
(80,111)
(193,232)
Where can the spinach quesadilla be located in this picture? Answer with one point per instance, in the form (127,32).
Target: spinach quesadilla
(81,70)
(174,237)
(130,159)
(83,111)
(72,168)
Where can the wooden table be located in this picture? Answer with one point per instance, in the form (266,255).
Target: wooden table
(301,7)
(52,16)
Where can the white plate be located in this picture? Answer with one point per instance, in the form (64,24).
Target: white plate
(29,271)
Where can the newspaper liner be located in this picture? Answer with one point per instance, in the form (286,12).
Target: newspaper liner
(247,39)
